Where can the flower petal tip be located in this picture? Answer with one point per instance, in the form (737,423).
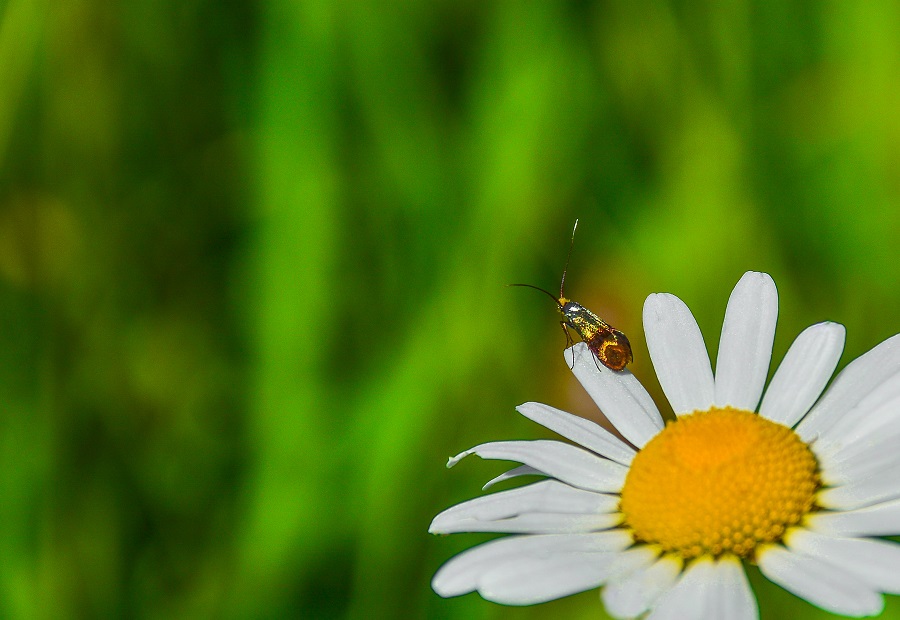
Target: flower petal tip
(435,527)
(453,460)
(758,276)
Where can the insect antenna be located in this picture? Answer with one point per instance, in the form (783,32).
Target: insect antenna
(562,283)
(537,288)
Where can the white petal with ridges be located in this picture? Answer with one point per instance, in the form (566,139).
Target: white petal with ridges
(878,412)
(619,395)
(878,520)
(687,598)
(544,496)
(830,587)
(584,432)
(745,347)
(732,596)
(864,448)
(803,374)
(573,465)
(534,523)
(524,570)
(869,424)
(515,472)
(709,590)
(634,594)
(853,456)
(547,505)
(530,581)
(882,459)
(636,558)
(875,562)
(875,488)
(678,353)
(859,379)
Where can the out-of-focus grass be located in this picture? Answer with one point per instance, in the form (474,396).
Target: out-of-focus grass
(252,263)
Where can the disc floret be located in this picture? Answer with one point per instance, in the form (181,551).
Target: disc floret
(722,481)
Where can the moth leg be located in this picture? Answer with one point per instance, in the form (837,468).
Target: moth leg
(597,362)
(569,342)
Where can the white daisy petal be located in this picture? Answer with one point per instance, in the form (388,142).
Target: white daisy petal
(852,385)
(619,395)
(831,587)
(874,436)
(638,557)
(876,412)
(541,578)
(534,523)
(529,581)
(688,597)
(584,432)
(874,489)
(709,591)
(515,472)
(635,593)
(678,353)
(873,561)
(549,497)
(882,458)
(878,520)
(733,598)
(868,449)
(573,465)
(862,430)
(523,570)
(803,374)
(745,347)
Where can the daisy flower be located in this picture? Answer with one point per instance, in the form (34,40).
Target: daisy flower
(801,486)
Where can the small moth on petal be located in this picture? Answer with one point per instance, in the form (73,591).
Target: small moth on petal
(608,344)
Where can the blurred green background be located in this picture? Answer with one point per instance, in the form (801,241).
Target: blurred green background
(252,259)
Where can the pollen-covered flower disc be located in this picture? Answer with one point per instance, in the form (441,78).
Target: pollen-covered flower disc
(719,481)
(802,483)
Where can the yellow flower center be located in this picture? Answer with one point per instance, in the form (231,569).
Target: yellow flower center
(719,481)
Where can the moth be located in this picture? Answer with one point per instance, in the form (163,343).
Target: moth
(609,345)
